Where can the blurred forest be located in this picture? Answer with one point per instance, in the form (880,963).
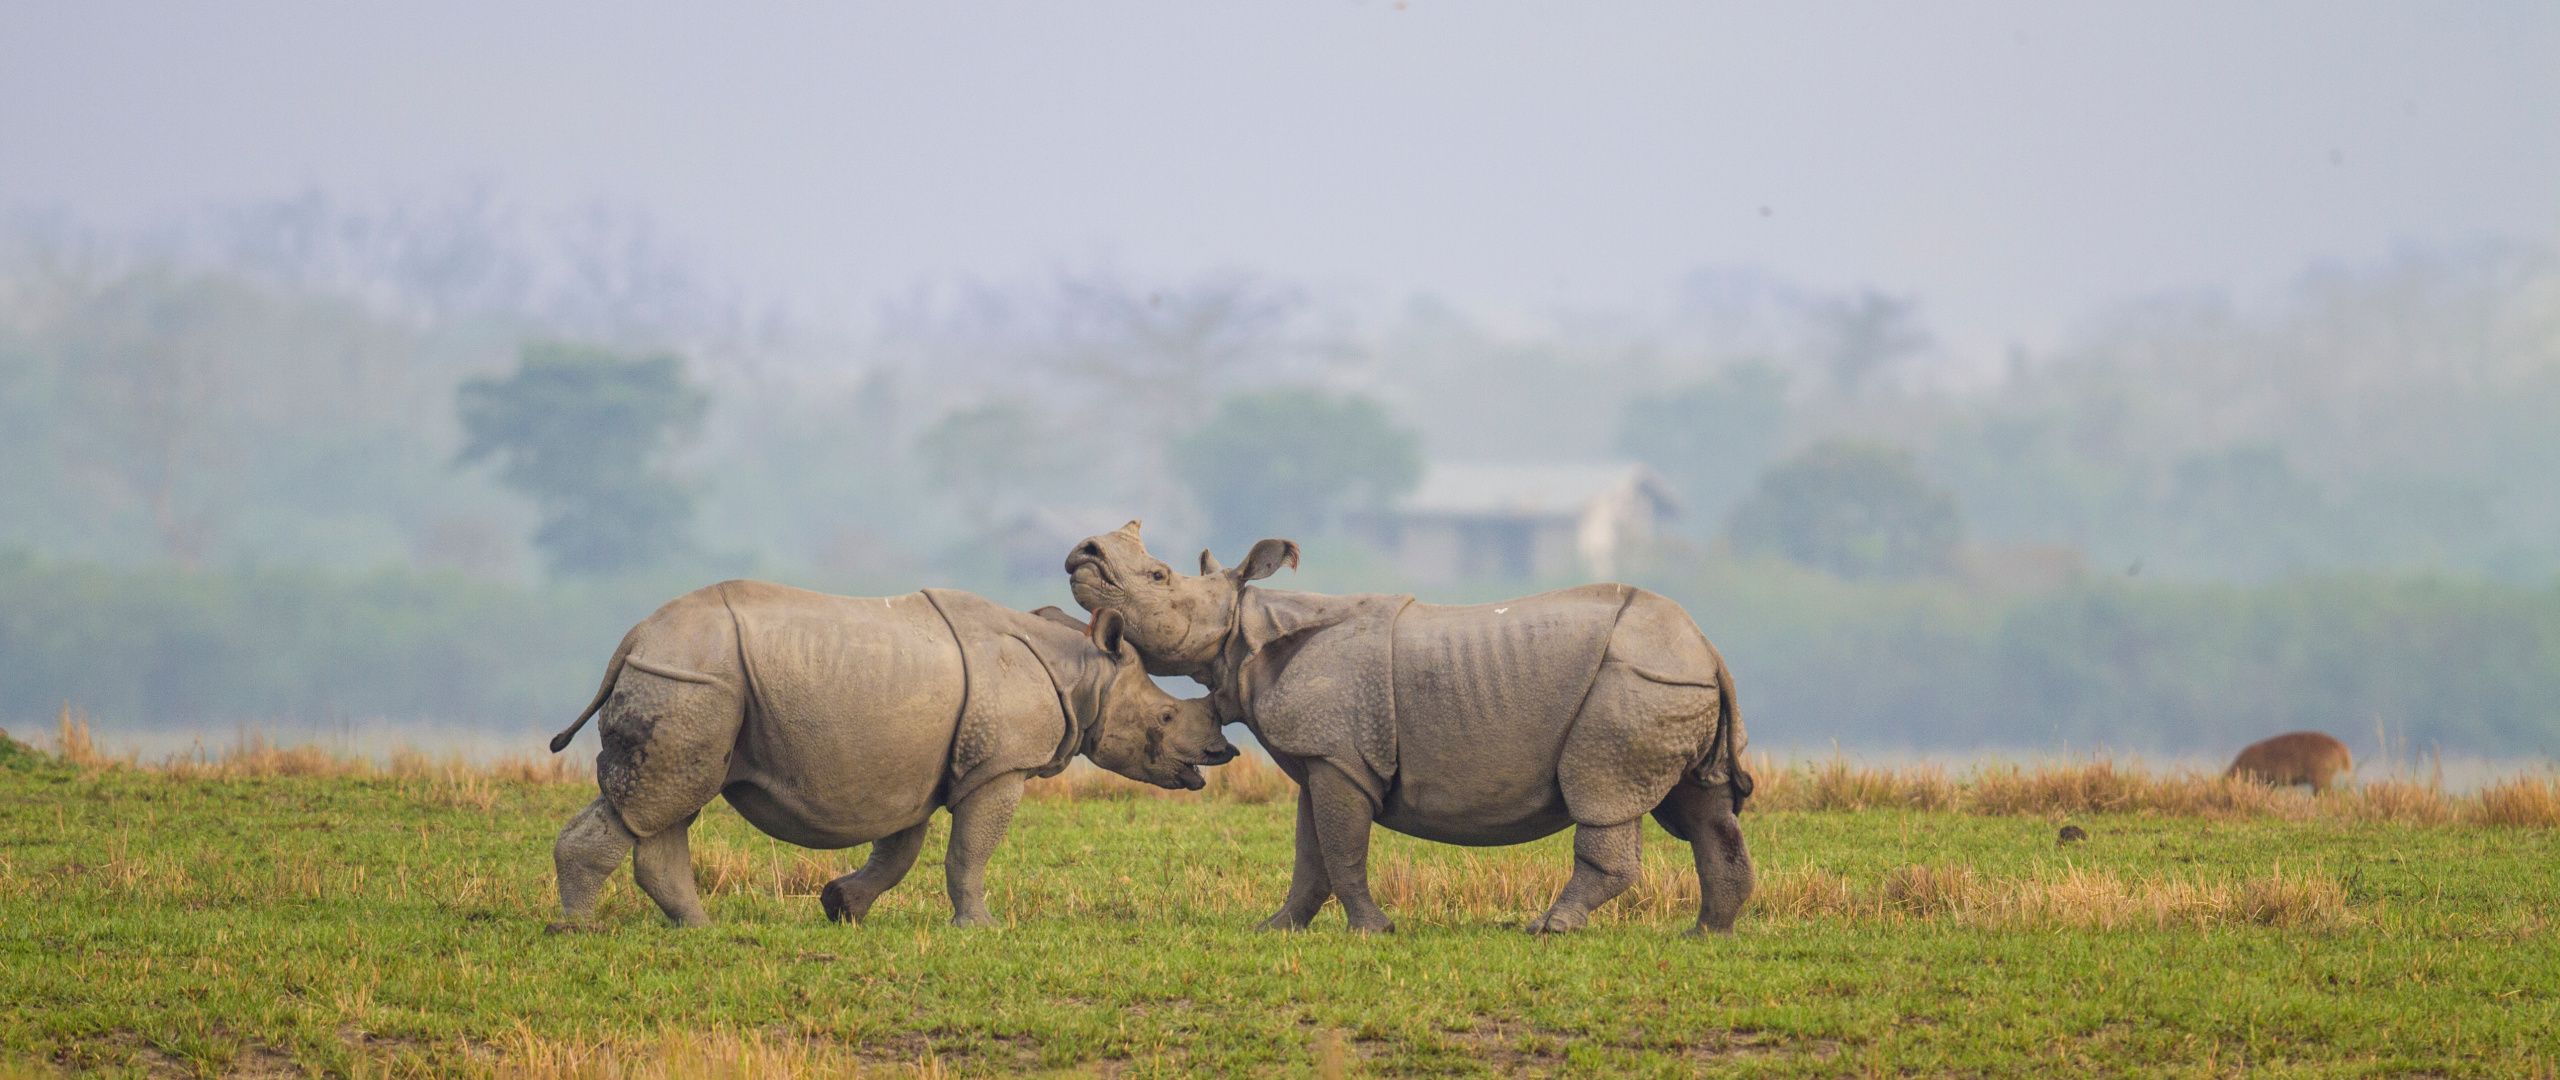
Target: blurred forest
(297,461)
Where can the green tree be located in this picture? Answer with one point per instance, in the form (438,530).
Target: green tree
(1865,336)
(1854,509)
(1708,438)
(991,457)
(2247,508)
(1291,461)
(586,434)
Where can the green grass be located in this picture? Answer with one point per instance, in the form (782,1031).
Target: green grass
(150,923)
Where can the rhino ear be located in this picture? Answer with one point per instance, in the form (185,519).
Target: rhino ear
(1208,563)
(1267,558)
(1061,618)
(1106,633)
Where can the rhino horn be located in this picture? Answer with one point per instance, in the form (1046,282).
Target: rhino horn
(1053,614)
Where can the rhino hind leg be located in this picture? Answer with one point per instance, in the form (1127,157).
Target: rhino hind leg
(666,753)
(666,747)
(590,847)
(1704,816)
(849,898)
(1633,739)
(663,865)
(1606,860)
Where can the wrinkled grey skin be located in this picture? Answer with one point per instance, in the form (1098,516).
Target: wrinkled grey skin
(830,721)
(1485,724)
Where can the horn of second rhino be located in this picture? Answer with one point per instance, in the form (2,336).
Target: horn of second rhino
(1053,614)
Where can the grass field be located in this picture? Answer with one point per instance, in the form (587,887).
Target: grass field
(276,912)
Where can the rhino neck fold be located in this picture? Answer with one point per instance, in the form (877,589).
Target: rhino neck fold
(1082,677)
(1259,617)
(1077,672)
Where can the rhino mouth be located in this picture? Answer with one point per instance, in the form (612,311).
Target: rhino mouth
(1191,778)
(1088,560)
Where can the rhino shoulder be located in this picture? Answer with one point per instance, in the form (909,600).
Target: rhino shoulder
(1014,715)
(1317,680)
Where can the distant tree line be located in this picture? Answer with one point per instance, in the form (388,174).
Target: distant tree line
(2116,663)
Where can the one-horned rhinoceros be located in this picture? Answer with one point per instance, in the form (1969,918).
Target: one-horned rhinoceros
(830,721)
(1485,724)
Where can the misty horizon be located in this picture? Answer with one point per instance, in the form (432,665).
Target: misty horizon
(2019,170)
(2012,379)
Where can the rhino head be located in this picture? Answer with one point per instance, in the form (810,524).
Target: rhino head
(1179,622)
(1144,733)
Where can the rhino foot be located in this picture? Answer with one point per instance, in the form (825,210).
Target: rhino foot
(1703,930)
(567,927)
(1284,921)
(973,919)
(844,903)
(1557,923)
(1378,925)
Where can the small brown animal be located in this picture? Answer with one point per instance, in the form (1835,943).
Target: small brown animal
(2071,834)
(2308,758)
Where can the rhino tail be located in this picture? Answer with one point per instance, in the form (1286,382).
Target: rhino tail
(612,674)
(1729,721)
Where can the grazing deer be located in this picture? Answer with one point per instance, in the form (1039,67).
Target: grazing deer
(2308,758)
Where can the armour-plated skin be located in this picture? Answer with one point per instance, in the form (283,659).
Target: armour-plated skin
(2308,758)
(830,721)
(1481,724)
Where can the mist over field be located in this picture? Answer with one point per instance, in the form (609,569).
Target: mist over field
(2026,381)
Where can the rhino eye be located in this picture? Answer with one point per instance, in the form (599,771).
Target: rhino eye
(1156,574)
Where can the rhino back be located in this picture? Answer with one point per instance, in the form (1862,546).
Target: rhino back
(1485,697)
(854,703)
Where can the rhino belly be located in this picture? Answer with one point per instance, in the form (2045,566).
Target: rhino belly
(1482,779)
(1485,695)
(850,736)
(836,791)
(1476,822)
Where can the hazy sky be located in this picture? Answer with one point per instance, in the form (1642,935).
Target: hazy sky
(2014,164)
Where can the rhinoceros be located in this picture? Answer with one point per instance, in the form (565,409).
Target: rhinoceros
(829,721)
(1483,724)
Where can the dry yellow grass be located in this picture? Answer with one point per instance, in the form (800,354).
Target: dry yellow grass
(2518,800)
(766,869)
(1477,887)
(2399,800)
(716,1054)
(1833,784)
(1251,778)
(73,744)
(2076,898)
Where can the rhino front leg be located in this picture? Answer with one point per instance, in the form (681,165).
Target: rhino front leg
(1606,859)
(977,826)
(1307,887)
(849,898)
(591,845)
(1342,818)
